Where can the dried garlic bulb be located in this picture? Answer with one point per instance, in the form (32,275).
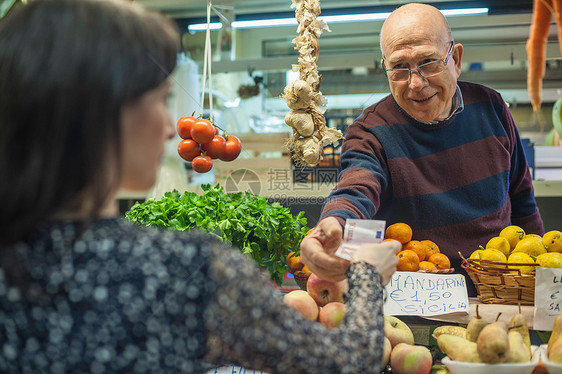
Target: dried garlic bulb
(311,150)
(307,104)
(301,121)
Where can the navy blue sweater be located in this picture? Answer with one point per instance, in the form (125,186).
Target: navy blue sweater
(457,183)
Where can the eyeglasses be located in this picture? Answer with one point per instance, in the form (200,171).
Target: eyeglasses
(429,69)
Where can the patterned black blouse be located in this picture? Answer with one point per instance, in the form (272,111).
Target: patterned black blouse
(118,298)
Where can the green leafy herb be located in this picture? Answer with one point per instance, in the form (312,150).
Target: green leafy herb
(264,231)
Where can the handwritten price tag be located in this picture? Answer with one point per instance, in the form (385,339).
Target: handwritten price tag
(424,294)
(548,297)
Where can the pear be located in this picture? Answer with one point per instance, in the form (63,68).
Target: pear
(474,327)
(555,354)
(457,348)
(518,350)
(555,336)
(449,330)
(493,343)
(519,323)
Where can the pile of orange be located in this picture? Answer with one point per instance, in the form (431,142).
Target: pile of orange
(295,264)
(416,254)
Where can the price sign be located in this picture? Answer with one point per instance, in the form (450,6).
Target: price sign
(548,297)
(426,294)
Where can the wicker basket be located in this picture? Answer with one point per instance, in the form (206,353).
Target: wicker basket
(301,277)
(501,283)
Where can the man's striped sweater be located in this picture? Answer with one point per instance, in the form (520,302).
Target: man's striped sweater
(457,182)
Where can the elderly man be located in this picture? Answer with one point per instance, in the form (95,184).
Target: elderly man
(443,156)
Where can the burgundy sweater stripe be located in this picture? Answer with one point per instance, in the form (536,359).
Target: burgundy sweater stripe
(482,156)
(448,181)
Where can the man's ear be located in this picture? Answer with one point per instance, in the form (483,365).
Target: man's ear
(457,57)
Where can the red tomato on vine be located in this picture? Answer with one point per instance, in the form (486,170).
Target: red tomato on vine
(215,148)
(184,126)
(202,164)
(232,149)
(202,131)
(188,149)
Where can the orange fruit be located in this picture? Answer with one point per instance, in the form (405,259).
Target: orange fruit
(408,260)
(426,265)
(399,231)
(305,269)
(440,260)
(417,247)
(431,247)
(294,262)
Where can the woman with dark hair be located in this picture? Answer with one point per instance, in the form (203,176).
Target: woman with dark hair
(83,88)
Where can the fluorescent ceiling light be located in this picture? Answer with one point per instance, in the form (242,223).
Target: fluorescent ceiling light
(264,23)
(203,26)
(328,19)
(464,12)
(356,17)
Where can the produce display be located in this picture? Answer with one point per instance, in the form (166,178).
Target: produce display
(404,356)
(417,255)
(202,143)
(520,252)
(492,343)
(479,347)
(264,231)
(306,103)
(322,301)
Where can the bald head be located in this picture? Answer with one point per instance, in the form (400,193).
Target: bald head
(420,22)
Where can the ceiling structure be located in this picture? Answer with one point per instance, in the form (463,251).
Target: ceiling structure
(197,8)
(505,26)
(507,22)
(495,42)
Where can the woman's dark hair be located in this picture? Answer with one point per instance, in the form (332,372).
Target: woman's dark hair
(67,68)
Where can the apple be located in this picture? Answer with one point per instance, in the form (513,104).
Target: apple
(303,303)
(387,348)
(325,291)
(332,314)
(397,331)
(410,359)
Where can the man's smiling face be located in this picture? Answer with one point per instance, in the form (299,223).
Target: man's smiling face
(409,40)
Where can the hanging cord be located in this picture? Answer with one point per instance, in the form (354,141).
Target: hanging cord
(207,64)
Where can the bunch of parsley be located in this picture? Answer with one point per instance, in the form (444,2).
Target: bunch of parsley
(264,231)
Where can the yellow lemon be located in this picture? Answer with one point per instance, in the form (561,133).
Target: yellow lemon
(523,258)
(531,245)
(476,255)
(550,260)
(493,255)
(499,243)
(552,240)
(513,234)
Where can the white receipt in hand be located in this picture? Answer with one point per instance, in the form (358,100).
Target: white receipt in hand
(357,232)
